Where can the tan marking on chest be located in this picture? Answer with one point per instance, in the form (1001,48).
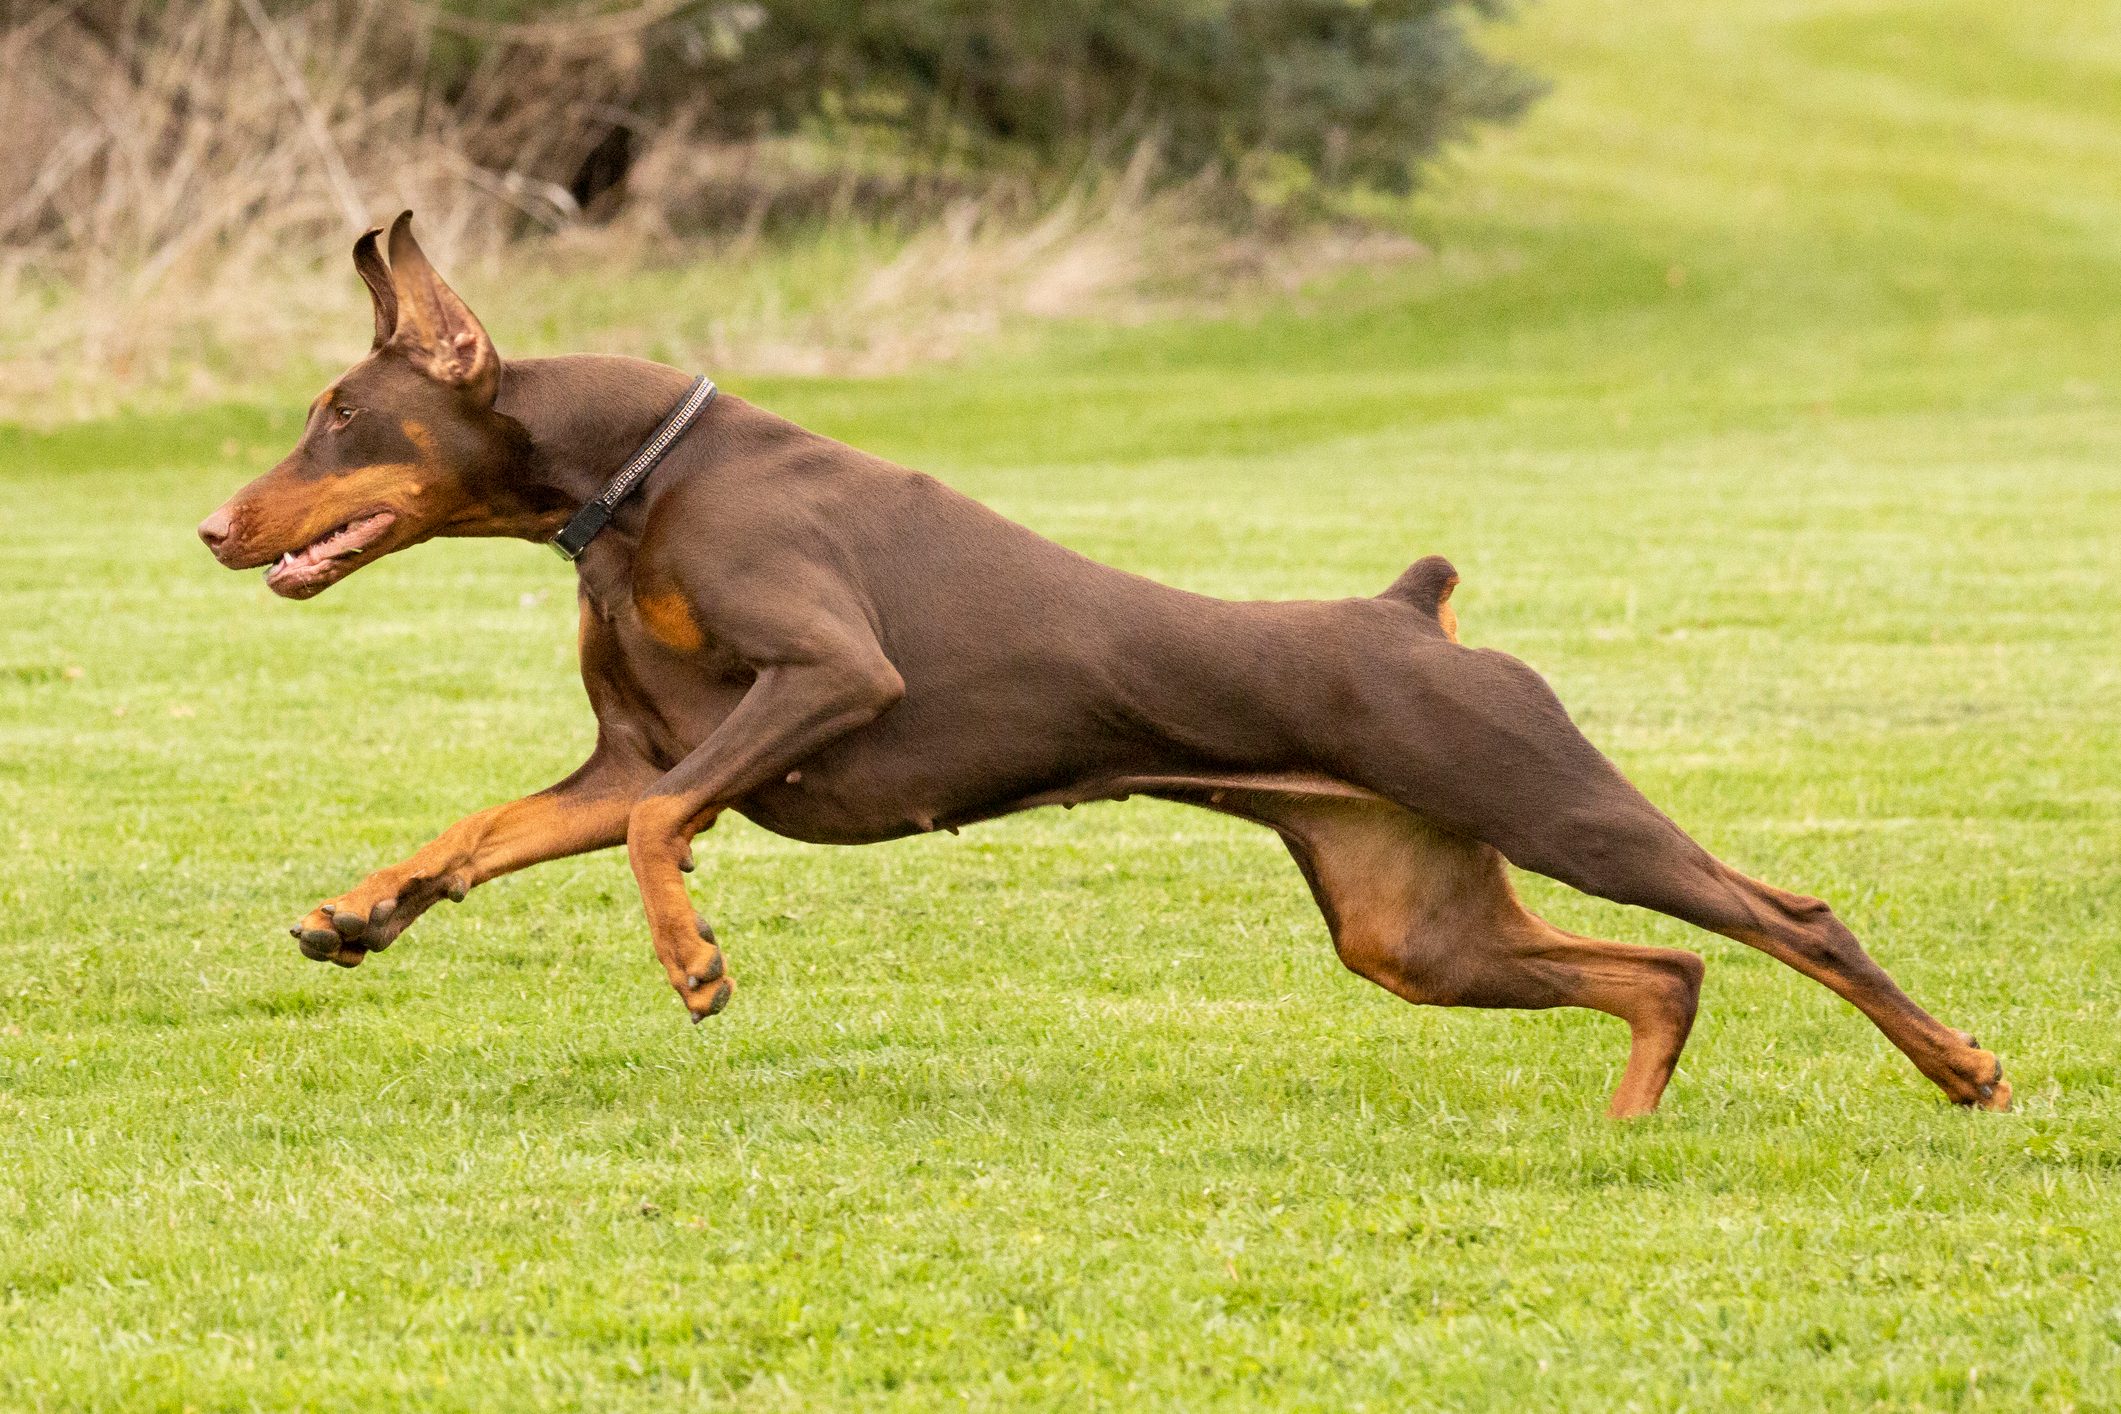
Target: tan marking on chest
(669,621)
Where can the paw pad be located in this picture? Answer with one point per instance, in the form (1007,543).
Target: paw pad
(318,944)
(715,1003)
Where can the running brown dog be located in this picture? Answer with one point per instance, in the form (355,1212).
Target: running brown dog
(845,651)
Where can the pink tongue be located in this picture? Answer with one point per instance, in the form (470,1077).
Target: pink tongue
(305,564)
(290,569)
(358,535)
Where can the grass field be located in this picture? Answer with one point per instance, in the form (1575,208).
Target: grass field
(1764,391)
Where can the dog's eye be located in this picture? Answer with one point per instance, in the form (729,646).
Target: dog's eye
(340,416)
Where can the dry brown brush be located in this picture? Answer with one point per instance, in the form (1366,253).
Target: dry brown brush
(175,177)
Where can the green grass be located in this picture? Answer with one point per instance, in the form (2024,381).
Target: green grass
(1763,390)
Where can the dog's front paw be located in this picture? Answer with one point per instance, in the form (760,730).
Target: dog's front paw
(369,917)
(698,971)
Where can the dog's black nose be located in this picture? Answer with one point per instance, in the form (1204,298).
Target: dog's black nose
(214,530)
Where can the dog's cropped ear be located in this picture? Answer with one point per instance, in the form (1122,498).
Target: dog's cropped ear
(368,259)
(436,329)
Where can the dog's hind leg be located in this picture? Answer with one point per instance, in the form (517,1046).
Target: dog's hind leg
(1497,757)
(1431,917)
(1632,854)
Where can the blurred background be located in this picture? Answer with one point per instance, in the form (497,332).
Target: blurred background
(876,180)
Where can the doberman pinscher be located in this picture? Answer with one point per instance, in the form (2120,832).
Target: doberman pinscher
(846,651)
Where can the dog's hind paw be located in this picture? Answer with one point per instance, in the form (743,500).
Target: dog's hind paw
(1977,1079)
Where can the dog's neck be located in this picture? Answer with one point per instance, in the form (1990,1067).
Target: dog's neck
(586,414)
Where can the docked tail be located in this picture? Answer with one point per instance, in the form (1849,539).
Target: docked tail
(1427,585)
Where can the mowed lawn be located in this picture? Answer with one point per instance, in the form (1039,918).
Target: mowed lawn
(1764,389)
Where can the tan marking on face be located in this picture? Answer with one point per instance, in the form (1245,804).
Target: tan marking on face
(288,514)
(392,475)
(669,621)
(396,485)
(416,433)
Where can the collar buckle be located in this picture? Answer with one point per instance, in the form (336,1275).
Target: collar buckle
(575,536)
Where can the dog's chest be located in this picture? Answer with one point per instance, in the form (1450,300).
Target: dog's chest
(650,661)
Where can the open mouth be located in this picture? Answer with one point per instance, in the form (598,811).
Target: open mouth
(298,574)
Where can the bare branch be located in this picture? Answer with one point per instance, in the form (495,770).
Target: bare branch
(342,182)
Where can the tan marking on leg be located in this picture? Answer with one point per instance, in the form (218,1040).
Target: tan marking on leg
(1431,917)
(549,825)
(657,844)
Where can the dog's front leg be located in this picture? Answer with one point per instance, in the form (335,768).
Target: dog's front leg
(586,811)
(790,711)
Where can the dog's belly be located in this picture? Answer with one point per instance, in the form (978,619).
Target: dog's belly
(956,749)
(830,802)
(816,818)
(937,767)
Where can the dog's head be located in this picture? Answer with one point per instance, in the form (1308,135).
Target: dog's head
(404,446)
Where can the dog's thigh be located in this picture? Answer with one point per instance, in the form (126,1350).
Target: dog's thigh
(1477,742)
(1430,915)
